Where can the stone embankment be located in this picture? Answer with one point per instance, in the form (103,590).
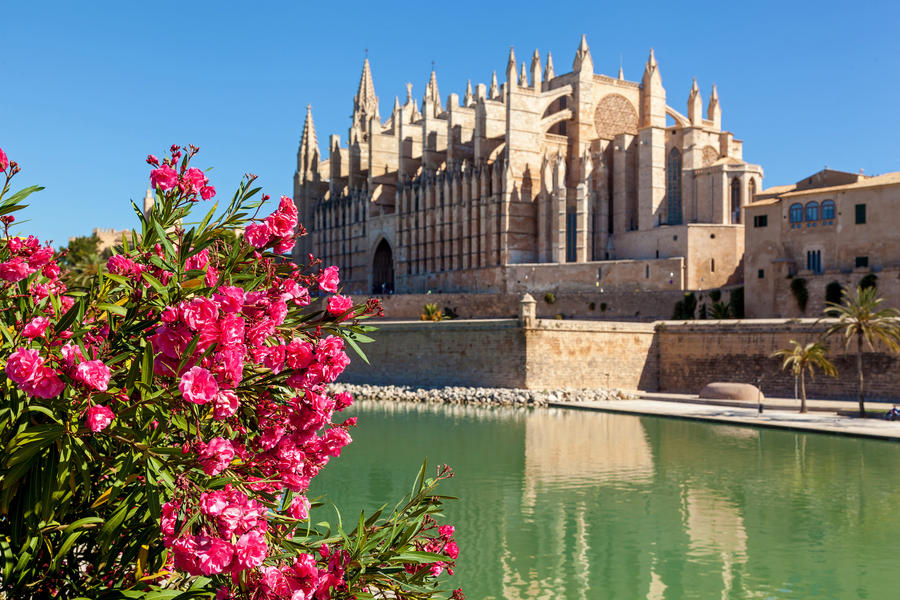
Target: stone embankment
(477,395)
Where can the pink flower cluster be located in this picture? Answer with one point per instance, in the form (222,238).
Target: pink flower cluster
(277,230)
(190,181)
(26,257)
(444,544)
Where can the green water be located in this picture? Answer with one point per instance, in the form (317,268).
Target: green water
(583,505)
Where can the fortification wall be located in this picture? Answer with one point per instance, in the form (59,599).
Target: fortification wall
(693,353)
(666,356)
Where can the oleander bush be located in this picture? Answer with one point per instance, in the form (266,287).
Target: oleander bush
(161,421)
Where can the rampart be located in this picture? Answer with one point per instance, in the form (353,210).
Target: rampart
(666,356)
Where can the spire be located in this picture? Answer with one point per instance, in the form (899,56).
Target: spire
(365,103)
(621,74)
(409,97)
(432,95)
(714,110)
(495,89)
(149,201)
(651,62)
(653,95)
(583,59)
(308,153)
(548,71)
(511,68)
(396,103)
(695,106)
(468,100)
(536,71)
(523,76)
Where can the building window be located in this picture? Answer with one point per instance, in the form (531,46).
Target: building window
(735,201)
(646,271)
(860,214)
(761,274)
(828,210)
(570,236)
(712,265)
(862,262)
(814,261)
(812,211)
(752,193)
(761,221)
(673,187)
(796,214)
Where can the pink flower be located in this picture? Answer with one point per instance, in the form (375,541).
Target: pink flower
(216,456)
(230,298)
(213,554)
(36,327)
(298,354)
(51,271)
(197,261)
(23,364)
(98,417)
(45,384)
(446,531)
(258,234)
(212,276)
(250,550)
(338,305)
(40,258)
(15,269)
(284,245)
(207,192)
(231,329)
(122,265)
(164,177)
(299,508)
(94,374)
(199,312)
(198,386)
(185,551)
(328,280)
(226,404)
(451,550)
(194,180)
(4,160)
(281,225)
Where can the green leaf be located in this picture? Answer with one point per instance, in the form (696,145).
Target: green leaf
(113,308)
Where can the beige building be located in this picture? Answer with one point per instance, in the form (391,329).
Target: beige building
(830,228)
(549,181)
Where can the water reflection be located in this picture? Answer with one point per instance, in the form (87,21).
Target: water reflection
(570,504)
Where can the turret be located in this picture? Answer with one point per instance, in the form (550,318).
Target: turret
(365,103)
(653,95)
(714,110)
(583,64)
(432,96)
(511,69)
(494,92)
(536,71)
(149,201)
(695,106)
(548,70)
(308,152)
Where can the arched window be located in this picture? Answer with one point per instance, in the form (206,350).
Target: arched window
(812,211)
(752,193)
(673,187)
(736,200)
(827,210)
(796,213)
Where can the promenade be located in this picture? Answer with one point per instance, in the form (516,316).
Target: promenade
(778,413)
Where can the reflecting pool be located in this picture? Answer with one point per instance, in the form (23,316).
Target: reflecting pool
(565,504)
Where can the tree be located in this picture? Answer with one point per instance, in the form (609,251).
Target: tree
(81,260)
(801,359)
(860,318)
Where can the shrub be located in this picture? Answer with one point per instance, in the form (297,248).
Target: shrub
(549,298)
(715,295)
(801,294)
(161,424)
(431,312)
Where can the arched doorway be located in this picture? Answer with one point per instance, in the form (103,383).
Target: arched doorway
(383,269)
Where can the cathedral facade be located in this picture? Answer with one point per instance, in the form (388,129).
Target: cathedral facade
(548,181)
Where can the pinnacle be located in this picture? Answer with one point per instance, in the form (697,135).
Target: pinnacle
(583,47)
(694,88)
(715,94)
(621,74)
(651,62)
(536,57)
(523,76)
(548,71)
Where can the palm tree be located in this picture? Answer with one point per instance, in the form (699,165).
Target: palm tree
(859,318)
(801,359)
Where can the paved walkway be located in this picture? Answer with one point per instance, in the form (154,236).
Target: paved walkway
(818,421)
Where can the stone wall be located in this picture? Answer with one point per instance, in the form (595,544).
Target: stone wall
(666,356)
(694,353)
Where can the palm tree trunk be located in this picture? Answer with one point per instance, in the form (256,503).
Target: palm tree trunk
(859,373)
(802,391)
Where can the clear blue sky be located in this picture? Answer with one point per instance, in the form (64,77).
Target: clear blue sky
(88,89)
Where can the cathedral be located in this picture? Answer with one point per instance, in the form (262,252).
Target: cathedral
(545,182)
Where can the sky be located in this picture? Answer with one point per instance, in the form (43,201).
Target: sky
(88,89)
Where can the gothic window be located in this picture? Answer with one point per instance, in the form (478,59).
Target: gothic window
(828,210)
(673,187)
(752,194)
(814,261)
(796,214)
(812,211)
(570,236)
(735,200)
(614,115)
